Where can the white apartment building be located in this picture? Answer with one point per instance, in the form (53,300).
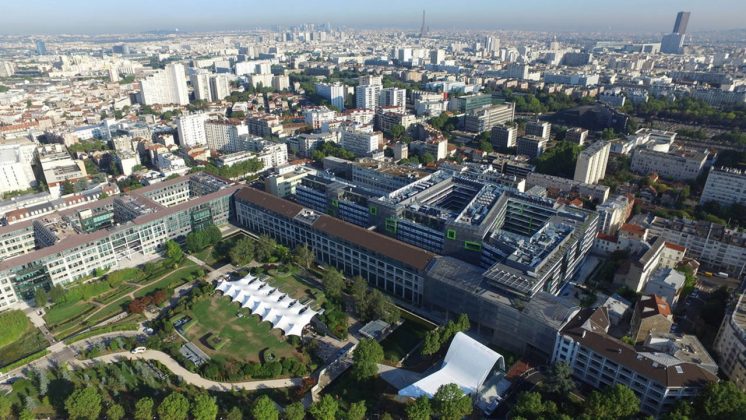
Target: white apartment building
(366,96)
(58,167)
(361,140)
(538,129)
(614,213)
(166,86)
(725,186)
(503,137)
(169,163)
(224,135)
(730,344)
(220,87)
(201,86)
(262,79)
(658,378)
(280,82)
(16,158)
(531,146)
(684,165)
(591,164)
(191,129)
(284,182)
(393,97)
(315,117)
(334,93)
(127,160)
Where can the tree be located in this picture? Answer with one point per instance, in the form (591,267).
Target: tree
(379,306)
(115,412)
(303,256)
(333,282)
(359,291)
(356,411)
(234,414)
(40,297)
(264,248)
(84,403)
(559,160)
(144,409)
(721,400)
(366,357)
(174,252)
(397,130)
(427,158)
(264,409)
(57,294)
(324,409)
(431,343)
(559,380)
(204,407)
(5,407)
(295,411)
(613,402)
(174,407)
(530,406)
(419,410)
(462,322)
(450,402)
(242,252)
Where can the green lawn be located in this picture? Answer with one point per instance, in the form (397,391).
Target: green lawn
(293,286)
(29,343)
(109,311)
(247,336)
(404,339)
(63,312)
(115,294)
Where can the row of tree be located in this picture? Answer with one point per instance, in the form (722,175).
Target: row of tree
(201,239)
(438,338)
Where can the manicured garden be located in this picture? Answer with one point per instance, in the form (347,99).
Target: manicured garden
(217,255)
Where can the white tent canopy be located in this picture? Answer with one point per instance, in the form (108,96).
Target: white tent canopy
(467,364)
(271,304)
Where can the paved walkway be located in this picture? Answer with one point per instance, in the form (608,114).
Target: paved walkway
(187,376)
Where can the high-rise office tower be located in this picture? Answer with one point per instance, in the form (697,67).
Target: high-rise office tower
(166,86)
(673,43)
(682,20)
(41,47)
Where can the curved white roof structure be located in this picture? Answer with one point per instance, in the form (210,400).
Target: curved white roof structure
(269,303)
(467,364)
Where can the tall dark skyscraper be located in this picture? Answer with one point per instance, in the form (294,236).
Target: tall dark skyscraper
(41,47)
(682,19)
(423,28)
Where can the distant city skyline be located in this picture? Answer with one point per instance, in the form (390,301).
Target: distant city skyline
(88,17)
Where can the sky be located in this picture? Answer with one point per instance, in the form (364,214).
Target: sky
(128,16)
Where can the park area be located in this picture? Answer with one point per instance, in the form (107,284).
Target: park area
(86,304)
(245,338)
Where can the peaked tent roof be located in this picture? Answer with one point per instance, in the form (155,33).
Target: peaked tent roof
(271,304)
(467,364)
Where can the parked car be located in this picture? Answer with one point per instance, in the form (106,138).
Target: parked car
(138,350)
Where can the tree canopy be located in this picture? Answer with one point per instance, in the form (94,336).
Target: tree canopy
(451,403)
(265,409)
(174,407)
(366,357)
(204,407)
(84,403)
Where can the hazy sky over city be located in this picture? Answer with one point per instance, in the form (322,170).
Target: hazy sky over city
(94,16)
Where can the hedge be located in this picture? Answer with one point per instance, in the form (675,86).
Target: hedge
(25,360)
(102,330)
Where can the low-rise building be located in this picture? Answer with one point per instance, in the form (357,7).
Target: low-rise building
(685,165)
(531,146)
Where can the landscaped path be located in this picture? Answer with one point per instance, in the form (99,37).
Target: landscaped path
(187,376)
